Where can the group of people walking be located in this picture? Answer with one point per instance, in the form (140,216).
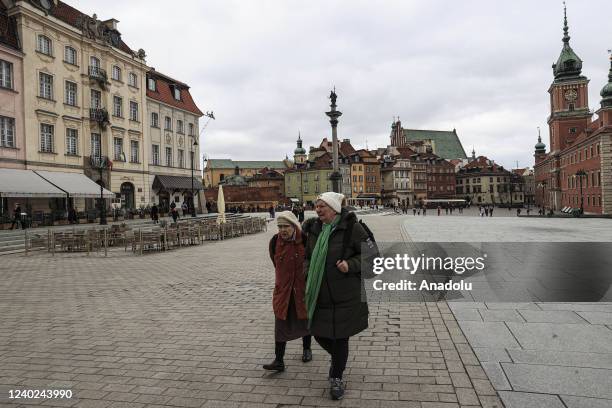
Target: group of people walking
(318,285)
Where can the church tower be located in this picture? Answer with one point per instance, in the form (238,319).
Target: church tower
(605,112)
(299,154)
(569,98)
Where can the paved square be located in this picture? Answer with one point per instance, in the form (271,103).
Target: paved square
(192,327)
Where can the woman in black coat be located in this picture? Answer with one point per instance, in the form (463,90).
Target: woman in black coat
(339,311)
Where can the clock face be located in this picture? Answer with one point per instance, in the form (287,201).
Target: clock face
(571,95)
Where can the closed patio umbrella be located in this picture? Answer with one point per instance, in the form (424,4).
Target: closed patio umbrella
(221,206)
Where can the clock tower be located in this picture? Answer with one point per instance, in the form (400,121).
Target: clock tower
(569,98)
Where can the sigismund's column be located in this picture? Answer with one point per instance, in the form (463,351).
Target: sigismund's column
(334,114)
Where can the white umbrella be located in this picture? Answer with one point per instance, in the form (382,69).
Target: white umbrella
(221,206)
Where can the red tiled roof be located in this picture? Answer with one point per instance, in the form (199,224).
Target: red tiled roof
(346,148)
(70,15)
(405,152)
(163,93)
(8,29)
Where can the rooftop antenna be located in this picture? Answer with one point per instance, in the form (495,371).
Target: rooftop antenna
(367,144)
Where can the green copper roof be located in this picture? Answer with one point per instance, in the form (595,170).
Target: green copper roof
(606,92)
(231,164)
(569,65)
(445,144)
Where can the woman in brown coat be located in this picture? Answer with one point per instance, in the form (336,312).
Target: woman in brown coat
(287,254)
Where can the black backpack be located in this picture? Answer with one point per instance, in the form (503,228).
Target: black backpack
(371,242)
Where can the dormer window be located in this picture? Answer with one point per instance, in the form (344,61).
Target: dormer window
(177,93)
(151,84)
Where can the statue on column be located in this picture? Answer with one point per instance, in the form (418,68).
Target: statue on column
(333,96)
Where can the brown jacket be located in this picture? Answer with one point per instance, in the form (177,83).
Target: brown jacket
(288,260)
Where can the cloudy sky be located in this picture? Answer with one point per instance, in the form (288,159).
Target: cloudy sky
(265,67)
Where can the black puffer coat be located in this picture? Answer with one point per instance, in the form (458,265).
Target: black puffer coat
(340,311)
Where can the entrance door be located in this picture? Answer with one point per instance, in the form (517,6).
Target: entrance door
(127,193)
(164,201)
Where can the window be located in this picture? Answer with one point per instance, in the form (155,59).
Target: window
(179,126)
(177,93)
(116,73)
(167,123)
(132,80)
(154,119)
(72,137)
(70,55)
(181,158)
(191,127)
(46,138)
(96,145)
(71,93)
(46,86)
(572,130)
(134,111)
(118,148)
(151,84)
(169,156)
(44,45)
(7,132)
(94,62)
(117,106)
(155,155)
(96,99)
(134,149)
(6,74)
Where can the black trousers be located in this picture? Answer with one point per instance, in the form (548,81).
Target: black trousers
(338,349)
(280,346)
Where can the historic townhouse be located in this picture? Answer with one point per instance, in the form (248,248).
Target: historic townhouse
(174,142)
(83,98)
(12,143)
(577,172)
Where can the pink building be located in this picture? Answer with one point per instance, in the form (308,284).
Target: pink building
(12,135)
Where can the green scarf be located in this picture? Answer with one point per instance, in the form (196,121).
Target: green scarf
(316,269)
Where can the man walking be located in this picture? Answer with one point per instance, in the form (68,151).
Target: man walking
(287,254)
(17,217)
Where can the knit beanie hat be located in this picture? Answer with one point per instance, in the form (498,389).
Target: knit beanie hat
(288,218)
(334,200)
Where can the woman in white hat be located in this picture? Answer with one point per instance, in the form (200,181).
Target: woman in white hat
(334,303)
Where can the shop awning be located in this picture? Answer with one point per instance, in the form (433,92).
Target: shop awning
(74,184)
(176,183)
(26,183)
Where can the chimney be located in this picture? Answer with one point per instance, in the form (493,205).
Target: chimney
(111,23)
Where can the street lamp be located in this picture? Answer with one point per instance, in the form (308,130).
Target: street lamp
(581,173)
(194,144)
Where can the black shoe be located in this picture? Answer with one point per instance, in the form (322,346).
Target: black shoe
(336,390)
(276,365)
(307,355)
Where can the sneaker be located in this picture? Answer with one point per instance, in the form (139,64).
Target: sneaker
(336,390)
(275,365)
(307,355)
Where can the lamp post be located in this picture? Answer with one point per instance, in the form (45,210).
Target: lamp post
(101,165)
(581,173)
(193,145)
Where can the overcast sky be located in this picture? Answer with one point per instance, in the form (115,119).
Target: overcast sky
(266,67)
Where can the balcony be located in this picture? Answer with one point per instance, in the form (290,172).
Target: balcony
(99,75)
(99,163)
(99,115)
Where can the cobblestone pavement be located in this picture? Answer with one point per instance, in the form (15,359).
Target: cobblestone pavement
(192,327)
(552,355)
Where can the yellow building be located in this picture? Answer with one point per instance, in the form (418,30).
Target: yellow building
(84,98)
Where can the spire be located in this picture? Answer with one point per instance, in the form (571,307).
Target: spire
(566,36)
(540,147)
(569,65)
(473,153)
(606,92)
(299,149)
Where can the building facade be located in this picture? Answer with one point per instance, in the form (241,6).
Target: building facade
(483,182)
(577,171)
(173,127)
(217,169)
(85,91)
